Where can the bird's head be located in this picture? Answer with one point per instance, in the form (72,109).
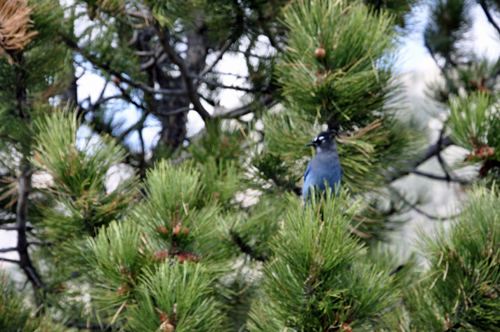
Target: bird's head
(324,140)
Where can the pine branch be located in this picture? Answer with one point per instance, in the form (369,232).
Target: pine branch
(10,260)
(22,219)
(437,177)
(486,10)
(177,111)
(9,228)
(233,87)
(104,66)
(132,127)
(237,112)
(397,269)
(417,209)
(11,249)
(245,248)
(438,153)
(434,150)
(223,50)
(431,152)
(7,221)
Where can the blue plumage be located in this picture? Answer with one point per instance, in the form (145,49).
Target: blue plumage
(324,166)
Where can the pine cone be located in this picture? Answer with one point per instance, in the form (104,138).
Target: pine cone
(15,27)
(122,290)
(183,256)
(162,229)
(177,230)
(161,255)
(166,327)
(320,53)
(486,151)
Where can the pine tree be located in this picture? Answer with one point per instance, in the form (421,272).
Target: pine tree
(174,247)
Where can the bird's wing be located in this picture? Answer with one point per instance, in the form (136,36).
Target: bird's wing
(307,171)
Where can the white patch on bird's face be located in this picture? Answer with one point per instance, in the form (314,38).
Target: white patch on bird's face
(319,139)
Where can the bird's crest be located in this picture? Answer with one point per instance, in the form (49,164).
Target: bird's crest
(326,135)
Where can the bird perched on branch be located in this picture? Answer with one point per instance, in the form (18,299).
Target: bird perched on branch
(324,166)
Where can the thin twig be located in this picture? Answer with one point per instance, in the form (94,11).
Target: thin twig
(9,228)
(104,66)
(223,86)
(7,221)
(245,248)
(36,243)
(422,212)
(236,113)
(397,269)
(449,173)
(431,152)
(132,127)
(223,50)
(486,10)
(176,111)
(229,74)
(9,260)
(10,249)
(437,177)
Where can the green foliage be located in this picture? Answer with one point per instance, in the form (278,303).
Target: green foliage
(79,177)
(462,281)
(181,295)
(171,217)
(448,23)
(400,9)
(356,65)
(317,280)
(117,257)
(351,86)
(367,155)
(166,186)
(15,315)
(474,123)
(219,143)
(220,181)
(259,226)
(478,75)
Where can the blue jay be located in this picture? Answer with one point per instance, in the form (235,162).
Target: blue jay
(325,165)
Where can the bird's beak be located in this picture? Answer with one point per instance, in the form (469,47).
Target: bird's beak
(311,144)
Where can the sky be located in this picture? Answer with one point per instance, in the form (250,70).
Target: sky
(414,58)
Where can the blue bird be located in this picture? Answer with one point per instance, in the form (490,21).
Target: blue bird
(325,165)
